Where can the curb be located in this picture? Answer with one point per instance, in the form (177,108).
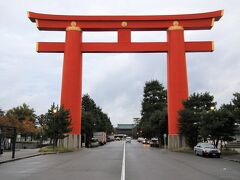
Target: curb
(233,160)
(24,157)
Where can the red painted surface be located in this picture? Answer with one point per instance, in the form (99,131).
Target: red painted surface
(176,78)
(124,35)
(71,96)
(176,48)
(215,14)
(136,47)
(135,23)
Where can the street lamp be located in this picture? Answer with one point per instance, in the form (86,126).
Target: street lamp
(54,110)
(212,108)
(54,128)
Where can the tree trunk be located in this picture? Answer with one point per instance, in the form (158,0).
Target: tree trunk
(217,141)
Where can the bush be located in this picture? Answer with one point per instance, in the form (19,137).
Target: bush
(229,152)
(184,150)
(50,149)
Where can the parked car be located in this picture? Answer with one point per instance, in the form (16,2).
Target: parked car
(140,139)
(101,136)
(207,149)
(118,139)
(145,141)
(110,138)
(94,142)
(128,139)
(154,142)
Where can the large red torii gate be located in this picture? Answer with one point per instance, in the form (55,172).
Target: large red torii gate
(176,47)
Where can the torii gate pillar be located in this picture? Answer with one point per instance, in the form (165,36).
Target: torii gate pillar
(71,95)
(177,85)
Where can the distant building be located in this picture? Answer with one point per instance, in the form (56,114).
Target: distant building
(125,129)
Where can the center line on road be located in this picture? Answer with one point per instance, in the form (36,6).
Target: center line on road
(123,163)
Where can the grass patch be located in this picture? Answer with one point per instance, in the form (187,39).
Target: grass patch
(228,152)
(27,142)
(183,150)
(50,149)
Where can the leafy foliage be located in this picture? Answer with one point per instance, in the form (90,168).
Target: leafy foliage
(201,121)
(22,113)
(23,118)
(93,119)
(56,123)
(1,112)
(236,106)
(195,108)
(11,122)
(218,125)
(153,122)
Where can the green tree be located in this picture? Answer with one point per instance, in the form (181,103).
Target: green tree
(22,113)
(159,124)
(236,107)
(194,112)
(218,125)
(93,119)
(153,110)
(27,118)
(87,126)
(42,122)
(57,123)
(1,112)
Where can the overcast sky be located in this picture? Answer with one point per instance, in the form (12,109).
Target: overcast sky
(114,81)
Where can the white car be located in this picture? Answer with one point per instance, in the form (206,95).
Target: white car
(94,142)
(128,139)
(207,149)
(140,139)
(145,141)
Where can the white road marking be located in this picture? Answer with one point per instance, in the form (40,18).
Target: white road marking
(123,163)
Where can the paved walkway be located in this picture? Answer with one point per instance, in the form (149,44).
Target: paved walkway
(19,154)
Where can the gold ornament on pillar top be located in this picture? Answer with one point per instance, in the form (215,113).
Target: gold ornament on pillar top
(37,23)
(124,24)
(175,26)
(37,47)
(222,12)
(73,27)
(213,20)
(213,46)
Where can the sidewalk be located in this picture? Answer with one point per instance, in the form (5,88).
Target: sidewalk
(19,154)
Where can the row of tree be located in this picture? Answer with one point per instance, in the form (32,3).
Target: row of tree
(56,122)
(23,118)
(199,120)
(93,119)
(53,124)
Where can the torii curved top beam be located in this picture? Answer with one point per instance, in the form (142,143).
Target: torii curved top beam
(198,21)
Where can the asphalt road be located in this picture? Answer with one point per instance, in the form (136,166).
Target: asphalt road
(105,163)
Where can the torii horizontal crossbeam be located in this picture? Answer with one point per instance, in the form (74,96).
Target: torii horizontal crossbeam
(58,47)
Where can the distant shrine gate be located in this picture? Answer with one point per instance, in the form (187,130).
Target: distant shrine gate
(175,47)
